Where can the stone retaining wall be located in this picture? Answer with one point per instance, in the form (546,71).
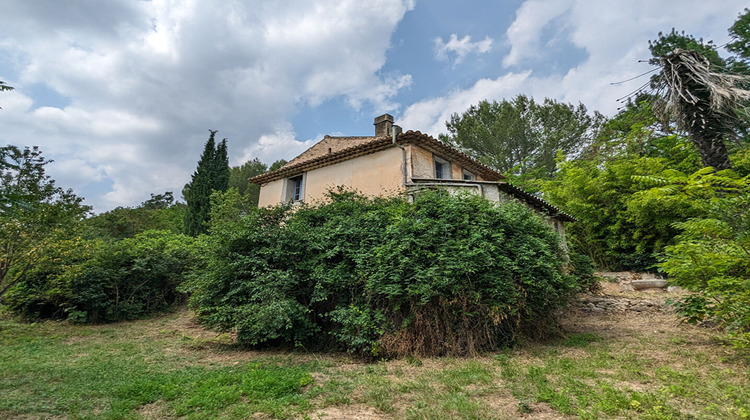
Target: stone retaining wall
(617,304)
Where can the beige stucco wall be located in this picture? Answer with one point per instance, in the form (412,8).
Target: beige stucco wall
(375,174)
(271,193)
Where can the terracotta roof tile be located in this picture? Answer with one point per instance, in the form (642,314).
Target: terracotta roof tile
(345,148)
(328,145)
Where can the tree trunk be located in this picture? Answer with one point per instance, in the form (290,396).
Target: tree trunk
(712,150)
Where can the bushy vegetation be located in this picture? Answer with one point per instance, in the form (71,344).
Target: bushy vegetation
(160,212)
(104,280)
(711,254)
(442,275)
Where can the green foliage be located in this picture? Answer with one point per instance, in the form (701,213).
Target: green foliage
(239,175)
(582,267)
(712,254)
(157,213)
(33,212)
(618,228)
(211,175)
(666,44)
(740,44)
(444,275)
(103,281)
(521,136)
(277,165)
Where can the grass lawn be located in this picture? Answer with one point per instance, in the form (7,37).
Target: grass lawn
(624,365)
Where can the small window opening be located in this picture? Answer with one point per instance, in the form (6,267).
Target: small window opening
(294,189)
(297,188)
(442,168)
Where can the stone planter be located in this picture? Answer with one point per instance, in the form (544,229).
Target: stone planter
(648,284)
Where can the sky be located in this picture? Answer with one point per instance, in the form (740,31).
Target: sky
(121,94)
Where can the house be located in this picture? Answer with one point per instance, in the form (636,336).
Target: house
(389,163)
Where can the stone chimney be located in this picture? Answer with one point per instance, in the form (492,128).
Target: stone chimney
(383,125)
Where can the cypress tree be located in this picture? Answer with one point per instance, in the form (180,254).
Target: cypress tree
(212,174)
(221,165)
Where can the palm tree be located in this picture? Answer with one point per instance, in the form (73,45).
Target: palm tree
(702,101)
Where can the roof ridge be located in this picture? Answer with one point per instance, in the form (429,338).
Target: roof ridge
(409,136)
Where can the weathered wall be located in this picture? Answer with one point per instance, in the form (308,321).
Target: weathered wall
(422,165)
(458,173)
(375,174)
(271,193)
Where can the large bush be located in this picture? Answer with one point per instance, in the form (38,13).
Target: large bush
(711,256)
(104,280)
(442,275)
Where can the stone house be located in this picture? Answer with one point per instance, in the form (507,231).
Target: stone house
(389,163)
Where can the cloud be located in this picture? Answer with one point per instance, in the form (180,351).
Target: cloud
(282,142)
(614,37)
(524,34)
(430,115)
(460,47)
(144,81)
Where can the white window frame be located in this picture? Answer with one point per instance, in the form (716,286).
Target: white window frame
(468,176)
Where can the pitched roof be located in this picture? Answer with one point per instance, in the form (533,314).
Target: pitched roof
(535,201)
(329,145)
(345,148)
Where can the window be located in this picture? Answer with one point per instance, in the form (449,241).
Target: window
(297,193)
(468,176)
(295,189)
(442,168)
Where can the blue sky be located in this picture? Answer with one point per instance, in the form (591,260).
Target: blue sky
(121,94)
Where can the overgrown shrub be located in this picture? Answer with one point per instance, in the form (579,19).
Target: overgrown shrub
(582,268)
(712,259)
(102,281)
(442,275)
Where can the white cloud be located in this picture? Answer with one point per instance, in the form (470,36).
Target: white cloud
(277,145)
(460,47)
(614,37)
(146,80)
(429,116)
(524,34)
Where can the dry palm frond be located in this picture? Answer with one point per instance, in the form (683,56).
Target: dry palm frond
(692,89)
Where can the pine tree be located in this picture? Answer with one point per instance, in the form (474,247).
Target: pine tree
(211,175)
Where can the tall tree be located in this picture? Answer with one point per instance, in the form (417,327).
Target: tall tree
(521,136)
(212,174)
(740,44)
(698,92)
(239,175)
(33,211)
